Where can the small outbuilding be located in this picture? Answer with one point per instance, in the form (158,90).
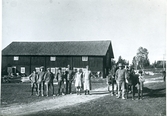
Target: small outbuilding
(24,57)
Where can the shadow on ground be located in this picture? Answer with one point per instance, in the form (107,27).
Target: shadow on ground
(153,93)
(99,92)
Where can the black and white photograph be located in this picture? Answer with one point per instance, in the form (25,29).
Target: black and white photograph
(83,58)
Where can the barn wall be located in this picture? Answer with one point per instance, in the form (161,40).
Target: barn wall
(31,62)
(63,61)
(5,64)
(96,64)
(77,62)
(8,61)
(50,63)
(36,62)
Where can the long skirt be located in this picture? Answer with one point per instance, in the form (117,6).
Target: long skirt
(87,85)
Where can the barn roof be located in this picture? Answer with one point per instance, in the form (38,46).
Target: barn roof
(89,48)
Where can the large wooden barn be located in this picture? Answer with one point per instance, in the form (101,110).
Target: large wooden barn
(24,57)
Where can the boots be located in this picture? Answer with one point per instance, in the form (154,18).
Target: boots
(63,92)
(85,92)
(58,91)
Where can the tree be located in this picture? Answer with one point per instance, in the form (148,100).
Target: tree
(142,57)
(123,61)
(134,62)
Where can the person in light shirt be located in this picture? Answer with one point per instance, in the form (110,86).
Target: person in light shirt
(78,77)
(87,80)
(120,77)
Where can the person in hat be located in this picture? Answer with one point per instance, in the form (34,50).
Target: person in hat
(140,85)
(120,77)
(60,79)
(40,81)
(48,79)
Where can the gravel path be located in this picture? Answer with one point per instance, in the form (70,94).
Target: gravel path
(54,103)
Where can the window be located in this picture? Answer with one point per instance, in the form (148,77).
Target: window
(52,58)
(16,58)
(22,70)
(53,70)
(37,69)
(84,58)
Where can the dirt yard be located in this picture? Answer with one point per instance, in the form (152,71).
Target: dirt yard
(99,103)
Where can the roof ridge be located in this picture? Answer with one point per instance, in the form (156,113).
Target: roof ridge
(60,41)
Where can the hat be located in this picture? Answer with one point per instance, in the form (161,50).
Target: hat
(119,65)
(48,68)
(59,68)
(41,67)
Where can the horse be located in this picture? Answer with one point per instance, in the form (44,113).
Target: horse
(132,80)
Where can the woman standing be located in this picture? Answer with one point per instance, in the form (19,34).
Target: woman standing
(87,80)
(140,85)
(78,77)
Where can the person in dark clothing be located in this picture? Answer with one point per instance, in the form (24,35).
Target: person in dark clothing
(164,74)
(48,78)
(111,82)
(40,81)
(60,78)
(69,79)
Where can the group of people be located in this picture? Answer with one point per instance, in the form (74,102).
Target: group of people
(119,78)
(43,80)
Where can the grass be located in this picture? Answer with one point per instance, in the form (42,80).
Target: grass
(19,93)
(153,104)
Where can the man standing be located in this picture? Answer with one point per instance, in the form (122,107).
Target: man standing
(120,77)
(69,79)
(40,81)
(60,79)
(87,80)
(48,78)
(33,78)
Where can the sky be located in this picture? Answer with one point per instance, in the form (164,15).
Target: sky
(129,24)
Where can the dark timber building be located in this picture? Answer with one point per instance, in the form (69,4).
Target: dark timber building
(24,57)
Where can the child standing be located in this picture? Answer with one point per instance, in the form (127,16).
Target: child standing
(140,85)
(78,84)
(110,82)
